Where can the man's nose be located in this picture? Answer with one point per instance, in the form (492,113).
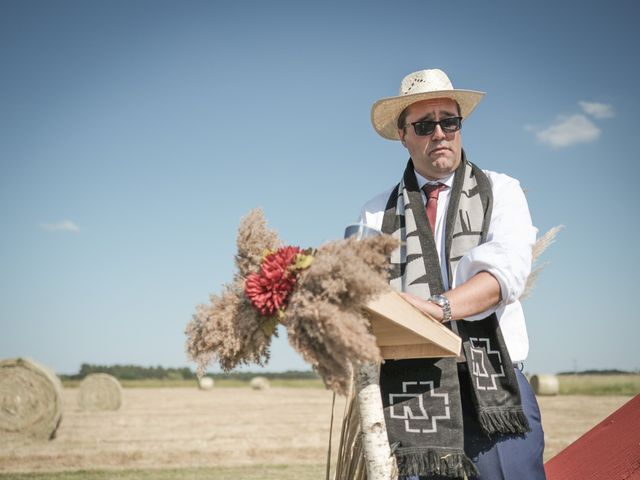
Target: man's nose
(438,133)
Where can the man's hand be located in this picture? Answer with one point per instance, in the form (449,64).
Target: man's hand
(425,306)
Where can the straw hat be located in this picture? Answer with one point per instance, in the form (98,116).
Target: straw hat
(418,86)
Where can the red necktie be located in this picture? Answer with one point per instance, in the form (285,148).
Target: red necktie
(433,190)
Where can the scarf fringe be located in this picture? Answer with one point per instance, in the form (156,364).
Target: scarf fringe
(511,420)
(448,463)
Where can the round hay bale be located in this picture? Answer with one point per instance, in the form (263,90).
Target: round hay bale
(100,392)
(205,383)
(259,383)
(545,384)
(30,400)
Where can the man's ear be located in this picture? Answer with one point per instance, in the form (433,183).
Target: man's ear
(401,134)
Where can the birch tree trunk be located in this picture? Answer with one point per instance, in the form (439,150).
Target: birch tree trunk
(377,453)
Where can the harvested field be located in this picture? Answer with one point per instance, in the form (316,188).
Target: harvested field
(173,428)
(565,418)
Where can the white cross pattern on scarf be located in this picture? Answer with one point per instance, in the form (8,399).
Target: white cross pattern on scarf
(408,414)
(478,366)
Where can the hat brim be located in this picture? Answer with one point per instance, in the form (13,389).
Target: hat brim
(385,112)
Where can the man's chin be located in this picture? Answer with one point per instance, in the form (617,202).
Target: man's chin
(444,165)
(441,155)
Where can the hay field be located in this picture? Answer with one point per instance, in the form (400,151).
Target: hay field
(628,384)
(282,432)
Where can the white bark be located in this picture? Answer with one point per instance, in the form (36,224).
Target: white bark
(377,453)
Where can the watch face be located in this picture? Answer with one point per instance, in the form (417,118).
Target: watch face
(439,300)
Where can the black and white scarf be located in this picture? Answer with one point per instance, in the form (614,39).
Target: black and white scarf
(422,396)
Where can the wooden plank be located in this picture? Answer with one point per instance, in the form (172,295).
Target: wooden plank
(609,451)
(426,350)
(392,334)
(399,326)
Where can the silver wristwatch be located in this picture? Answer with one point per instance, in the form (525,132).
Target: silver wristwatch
(442,302)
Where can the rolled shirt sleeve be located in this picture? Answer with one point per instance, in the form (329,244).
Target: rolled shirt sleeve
(507,252)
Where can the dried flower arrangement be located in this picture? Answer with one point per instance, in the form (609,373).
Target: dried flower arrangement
(317,295)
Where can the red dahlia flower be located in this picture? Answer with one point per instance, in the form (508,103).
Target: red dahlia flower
(269,289)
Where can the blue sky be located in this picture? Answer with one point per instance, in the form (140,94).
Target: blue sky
(135,134)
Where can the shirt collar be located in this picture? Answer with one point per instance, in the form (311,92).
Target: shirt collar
(448,181)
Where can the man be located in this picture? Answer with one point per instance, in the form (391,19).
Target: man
(466,243)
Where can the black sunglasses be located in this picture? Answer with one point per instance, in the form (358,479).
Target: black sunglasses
(427,127)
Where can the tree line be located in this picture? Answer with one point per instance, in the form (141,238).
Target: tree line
(599,372)
(137,372)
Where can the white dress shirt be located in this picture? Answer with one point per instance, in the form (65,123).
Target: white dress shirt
(506,254)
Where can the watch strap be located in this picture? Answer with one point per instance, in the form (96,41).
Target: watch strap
(442,302)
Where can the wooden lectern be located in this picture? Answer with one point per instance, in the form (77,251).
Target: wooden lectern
(403,331)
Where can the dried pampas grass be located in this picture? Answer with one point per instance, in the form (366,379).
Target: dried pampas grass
(323,319)
(350,462)
(228,331)
(253,239)
(539,247)
(544,241)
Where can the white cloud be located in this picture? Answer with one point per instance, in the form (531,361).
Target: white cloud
(63,226)
(567,131)
(598,110)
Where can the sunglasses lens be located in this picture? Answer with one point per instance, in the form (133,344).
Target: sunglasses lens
(424,128)
(450,124)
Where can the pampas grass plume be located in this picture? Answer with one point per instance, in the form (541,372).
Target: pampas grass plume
(253,239)
(324,319)
(539,247)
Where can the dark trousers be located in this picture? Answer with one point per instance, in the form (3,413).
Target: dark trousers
(504,457)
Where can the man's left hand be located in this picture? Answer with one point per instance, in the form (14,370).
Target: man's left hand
(425,306)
